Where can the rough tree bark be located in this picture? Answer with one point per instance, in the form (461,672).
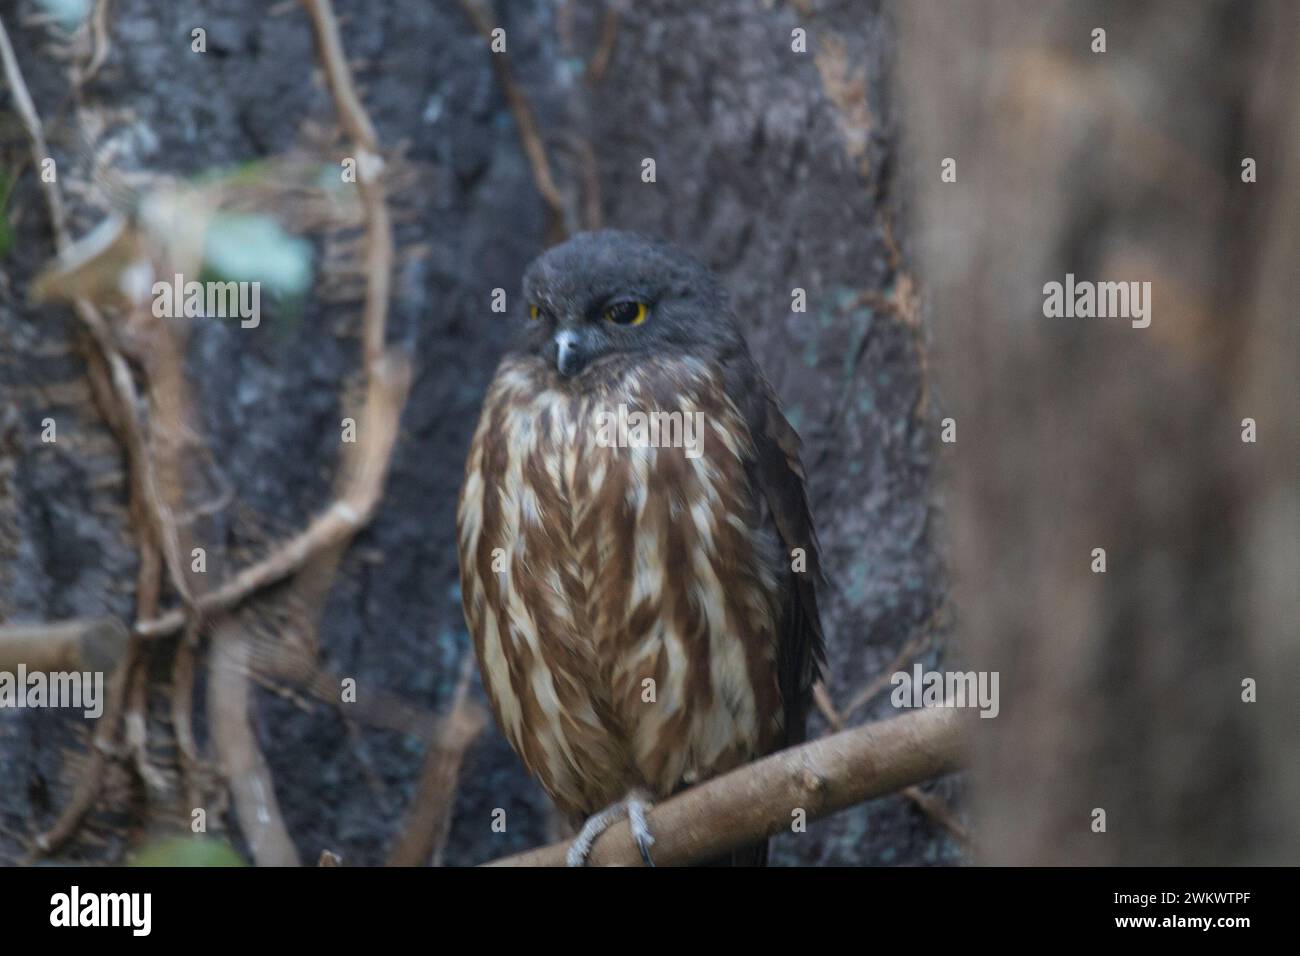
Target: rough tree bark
(1121,691)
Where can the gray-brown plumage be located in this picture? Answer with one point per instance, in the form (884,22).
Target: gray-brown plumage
(635,610)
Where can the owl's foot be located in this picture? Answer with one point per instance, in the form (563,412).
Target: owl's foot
(634,807)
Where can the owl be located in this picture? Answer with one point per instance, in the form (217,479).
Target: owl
(639,567)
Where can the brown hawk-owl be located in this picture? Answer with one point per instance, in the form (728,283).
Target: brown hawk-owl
(641,592)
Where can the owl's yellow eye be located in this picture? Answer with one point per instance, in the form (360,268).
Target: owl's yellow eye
(534,311)
(625,313)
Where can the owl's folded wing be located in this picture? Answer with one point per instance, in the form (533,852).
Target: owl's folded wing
(778,477)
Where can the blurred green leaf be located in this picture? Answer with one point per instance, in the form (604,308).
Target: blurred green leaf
(254,248)
(246,173)
(69,14)
(187,851)
(327,178)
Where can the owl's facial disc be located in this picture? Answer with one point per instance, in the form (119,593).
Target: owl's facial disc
(610,293)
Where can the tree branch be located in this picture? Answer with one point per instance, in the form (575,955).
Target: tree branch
(757,800)
(79,645)
(363,484)
(242,763)
(379,230)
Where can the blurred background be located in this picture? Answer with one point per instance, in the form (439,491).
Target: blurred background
(796,145)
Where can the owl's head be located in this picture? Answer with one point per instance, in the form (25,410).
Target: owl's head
(611,293)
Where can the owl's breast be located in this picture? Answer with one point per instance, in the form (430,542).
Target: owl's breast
(616,580)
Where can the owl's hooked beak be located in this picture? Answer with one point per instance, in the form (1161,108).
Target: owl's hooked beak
(570,353)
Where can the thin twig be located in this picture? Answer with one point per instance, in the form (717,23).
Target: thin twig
(938,811)
(592,217)
(605,45)
(182,711)
(915,645)
(135,725)
(822,698)
(525,120)
(425,835)
(102,747)
(355,120)
(238,752)
(288,661)
(40,151)
(99,44)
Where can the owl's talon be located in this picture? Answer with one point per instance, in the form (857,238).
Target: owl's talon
(640,829)
(633,807)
